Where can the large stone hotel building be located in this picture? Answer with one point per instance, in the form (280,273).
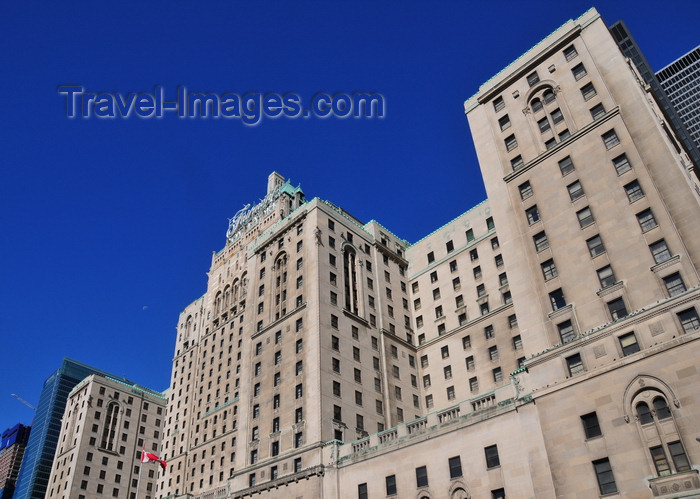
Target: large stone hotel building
(543,344)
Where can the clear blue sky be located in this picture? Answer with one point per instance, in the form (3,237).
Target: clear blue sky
(107,226)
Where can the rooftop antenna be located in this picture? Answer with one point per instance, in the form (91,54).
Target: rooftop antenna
(24,401)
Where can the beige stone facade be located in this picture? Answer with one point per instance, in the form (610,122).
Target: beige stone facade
(542,344)
(106,424)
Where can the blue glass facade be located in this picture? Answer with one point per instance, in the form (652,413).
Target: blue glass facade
(38,458)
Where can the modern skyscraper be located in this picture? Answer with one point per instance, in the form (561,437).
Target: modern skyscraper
(542,344)
(106,425)
(36,466)
(681,81)
(14,443)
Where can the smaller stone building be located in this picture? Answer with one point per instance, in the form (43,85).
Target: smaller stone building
(106,425)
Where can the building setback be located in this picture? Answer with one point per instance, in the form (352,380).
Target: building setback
(106,425)
(543,344)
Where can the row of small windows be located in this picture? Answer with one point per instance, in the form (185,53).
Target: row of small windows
(454,467)
(449,245)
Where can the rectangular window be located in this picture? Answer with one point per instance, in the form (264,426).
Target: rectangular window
(470,363)
(470,235)
(588,91)
(634,191)
(474,384)
(660,462)
(575,190)
(541,241)
(591,428)
(579,71)
(557,117)
(493,352)
(610,139)
(595,246)
(549,270)
(362,491)
(532,214)
(574,364)
(660,251)
(689,320)
(517,162)
(566,166)
(498,104)
(497,374)
(621,164)
(498,494)
(488,332)
(533,78)
(597,111)
(455,464)
(680,460)
(391,485)
(511,142)
(557,299)
(628,343)
(617,309)
(674,284)
(466,342)
(570,53)
(433,276)
(421,476)
(566,331)
(504,122)
(492,459)
(550,143)
(447,371)
(525,190)
(646,220)
(604,474)
(517,342)
(543,124)
(606,276)
(431,257)
(450,393)
(585,217)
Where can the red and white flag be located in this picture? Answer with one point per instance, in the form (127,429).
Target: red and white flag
(147,457)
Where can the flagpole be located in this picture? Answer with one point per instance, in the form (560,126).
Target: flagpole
(138,481)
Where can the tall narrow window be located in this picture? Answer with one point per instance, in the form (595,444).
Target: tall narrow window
(350,270)
(421,476)
(604,474)
(110,427)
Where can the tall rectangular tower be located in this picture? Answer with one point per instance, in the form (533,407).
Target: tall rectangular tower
(301,338)
(681,81)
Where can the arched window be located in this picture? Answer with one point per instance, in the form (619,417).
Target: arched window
(350,271)
(546,112)
(661,408)
(109,431)
(647,397)
(643,413)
